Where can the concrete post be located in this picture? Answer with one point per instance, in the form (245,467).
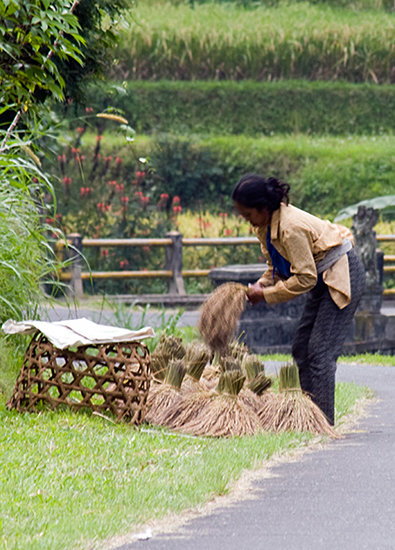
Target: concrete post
(76,288)
(174,263)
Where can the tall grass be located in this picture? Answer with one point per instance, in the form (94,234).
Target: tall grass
(227,41)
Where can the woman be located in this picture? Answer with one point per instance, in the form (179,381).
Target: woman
(305,254)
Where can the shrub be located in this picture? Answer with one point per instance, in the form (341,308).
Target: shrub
(253,108)
(326,173)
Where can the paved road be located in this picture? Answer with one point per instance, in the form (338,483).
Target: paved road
(155,318)
(151,316)
(338,498)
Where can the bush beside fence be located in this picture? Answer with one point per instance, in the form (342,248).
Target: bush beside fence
(326,174)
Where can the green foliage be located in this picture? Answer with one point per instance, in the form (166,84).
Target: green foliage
(355,5)
(184,168)
(253,108)
(26,258)
(227,41)
(31,33)
(325,173)
(98,20)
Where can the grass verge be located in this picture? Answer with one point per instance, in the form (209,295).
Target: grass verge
(73,480)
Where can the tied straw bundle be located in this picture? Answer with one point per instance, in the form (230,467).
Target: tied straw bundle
(167,349)
(196,358)
(220,314)
(294,410)
(162,396)
(225,415)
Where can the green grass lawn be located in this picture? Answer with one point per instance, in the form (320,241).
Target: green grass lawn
(70,480)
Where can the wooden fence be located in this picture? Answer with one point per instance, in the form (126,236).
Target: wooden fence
(173,270)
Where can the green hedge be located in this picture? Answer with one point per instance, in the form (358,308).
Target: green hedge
(252,108)
(355,5)
(227,41)
(326,174)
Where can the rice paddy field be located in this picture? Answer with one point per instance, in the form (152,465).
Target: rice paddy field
(189,41)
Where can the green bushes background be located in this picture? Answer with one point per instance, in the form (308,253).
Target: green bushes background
(214,89)
(325,173)
(252,108)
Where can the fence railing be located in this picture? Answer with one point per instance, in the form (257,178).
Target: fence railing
(173,270)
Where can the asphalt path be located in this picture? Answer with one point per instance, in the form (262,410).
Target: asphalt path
(338,497)
(133,317)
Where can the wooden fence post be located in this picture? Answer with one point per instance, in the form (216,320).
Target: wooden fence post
(174,263)
(76,288)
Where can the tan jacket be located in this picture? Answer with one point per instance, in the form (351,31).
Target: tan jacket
(303,240)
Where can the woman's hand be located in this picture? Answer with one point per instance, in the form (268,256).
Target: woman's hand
(255,293)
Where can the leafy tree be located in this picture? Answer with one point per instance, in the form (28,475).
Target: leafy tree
(32,34)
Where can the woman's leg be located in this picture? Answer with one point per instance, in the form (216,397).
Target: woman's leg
(300,346)
(327,334)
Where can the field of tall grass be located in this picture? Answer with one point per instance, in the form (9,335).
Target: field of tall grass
(229,41)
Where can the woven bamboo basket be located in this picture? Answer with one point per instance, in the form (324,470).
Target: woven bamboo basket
(106,377)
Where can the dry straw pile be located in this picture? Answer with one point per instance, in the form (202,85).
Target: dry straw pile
(220,314)
(293,410)
(205,394)
(162,396)
(225,414)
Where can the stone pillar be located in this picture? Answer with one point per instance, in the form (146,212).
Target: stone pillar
(366,246)
(174,263)
(76,288)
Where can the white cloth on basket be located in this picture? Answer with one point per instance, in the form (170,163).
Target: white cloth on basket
(77,332)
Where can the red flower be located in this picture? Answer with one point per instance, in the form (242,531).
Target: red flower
(177,210)
(176,200)
(118,160)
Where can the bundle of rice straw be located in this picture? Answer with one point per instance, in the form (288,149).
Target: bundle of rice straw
(238,350)
(167,349)
(158,366)
(253,369)
(293,410)
(171,346)
(162,396)
(188,409)
(220,314)
(219,365)
(252,366)
(225,415)
(196,358)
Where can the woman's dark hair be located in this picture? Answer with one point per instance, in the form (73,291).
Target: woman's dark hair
(255,191)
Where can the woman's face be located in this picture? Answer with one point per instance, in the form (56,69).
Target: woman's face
(257,218)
